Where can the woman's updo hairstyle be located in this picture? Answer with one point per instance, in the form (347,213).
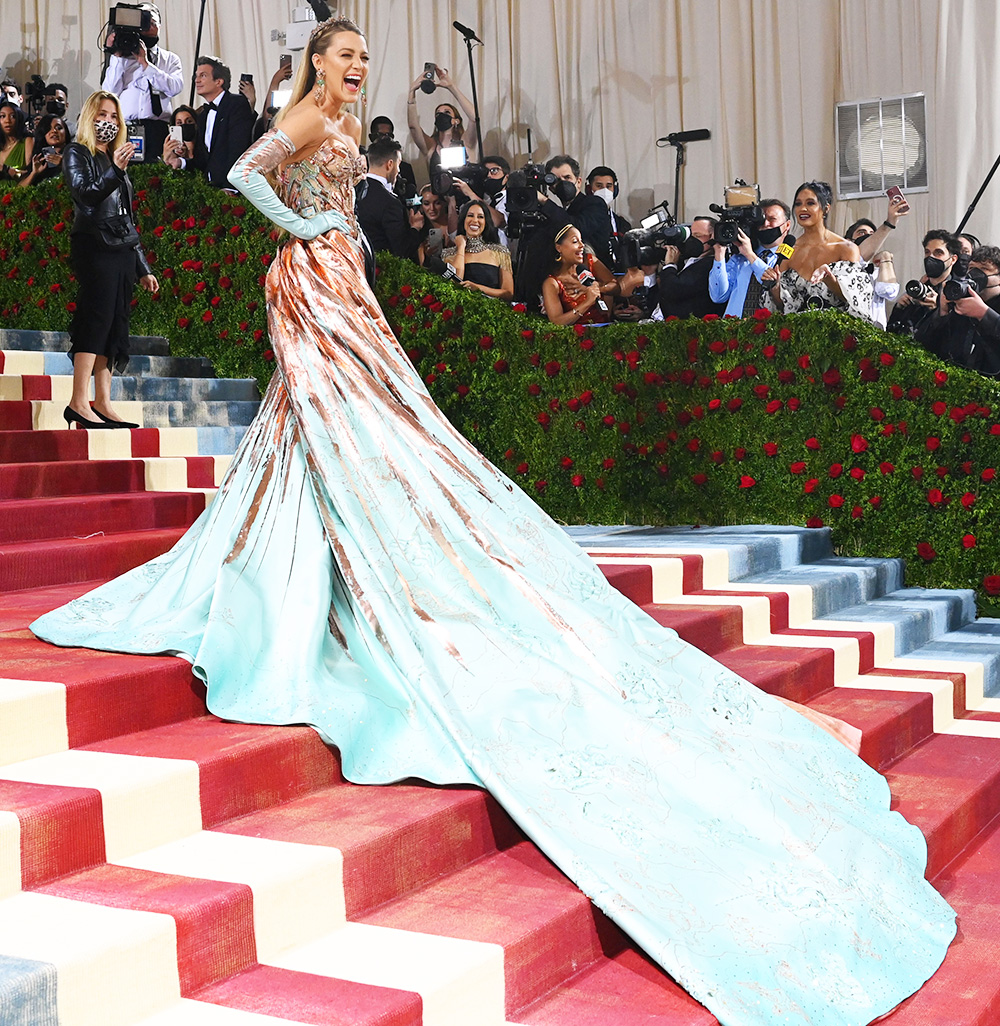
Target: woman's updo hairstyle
(822,191)
(319,42)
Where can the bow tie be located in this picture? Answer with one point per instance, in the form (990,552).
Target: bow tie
(211,106)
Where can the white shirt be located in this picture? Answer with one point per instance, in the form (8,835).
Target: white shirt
(379,178)
(132,83)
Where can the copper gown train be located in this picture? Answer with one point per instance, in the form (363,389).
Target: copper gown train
(365,570)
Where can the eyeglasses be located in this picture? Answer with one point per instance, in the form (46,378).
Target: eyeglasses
(494,172)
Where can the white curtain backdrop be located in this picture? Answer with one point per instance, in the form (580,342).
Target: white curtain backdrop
(603,80)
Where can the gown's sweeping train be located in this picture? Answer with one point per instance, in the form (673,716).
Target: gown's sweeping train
(365,570)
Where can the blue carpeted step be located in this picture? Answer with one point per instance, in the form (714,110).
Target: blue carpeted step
(58,341)
(220,440)
(142,366)
(183,389)
(27,992)
(199,414)
(978,641)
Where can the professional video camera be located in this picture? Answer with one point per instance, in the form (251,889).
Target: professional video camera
(523,187)
(34,94)
(962,281)
(455,165)
(647,244)
(128,22)
(741,210)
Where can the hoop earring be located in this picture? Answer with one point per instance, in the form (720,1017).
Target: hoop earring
(320,85)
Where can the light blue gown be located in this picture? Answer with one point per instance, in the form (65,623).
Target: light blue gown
(364,570)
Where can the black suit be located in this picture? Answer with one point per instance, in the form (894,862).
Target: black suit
(590,214)
(234,121)
(384,220)
(684,292)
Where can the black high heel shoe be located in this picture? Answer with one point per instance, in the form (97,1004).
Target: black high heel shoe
(115,423)
(72,417)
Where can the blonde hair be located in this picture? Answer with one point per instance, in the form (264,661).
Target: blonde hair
(319,43)
(85,134)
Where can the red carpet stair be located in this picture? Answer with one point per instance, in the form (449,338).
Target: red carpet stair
(161,867)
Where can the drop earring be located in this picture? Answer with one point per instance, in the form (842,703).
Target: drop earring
(320,86)
(364,96)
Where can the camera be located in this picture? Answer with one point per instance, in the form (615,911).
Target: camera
(34,94)
(453,165)
(647,244)
(962,282)
(129,22)
(741,210)
(919,290)
(523,187)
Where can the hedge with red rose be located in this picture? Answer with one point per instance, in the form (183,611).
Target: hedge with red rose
(814,419)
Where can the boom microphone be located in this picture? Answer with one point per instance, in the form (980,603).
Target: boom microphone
(467,32)
(695,135)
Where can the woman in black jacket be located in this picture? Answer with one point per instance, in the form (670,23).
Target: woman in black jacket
(106,258)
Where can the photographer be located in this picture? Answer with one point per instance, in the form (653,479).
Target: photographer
(920,299)
(51,139)
(736,281)
(965,327)
(449,129)
(144,76)
(388,224)
(588,212)
(683,283)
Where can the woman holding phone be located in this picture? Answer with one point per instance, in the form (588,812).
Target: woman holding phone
(51,139)
(181,135)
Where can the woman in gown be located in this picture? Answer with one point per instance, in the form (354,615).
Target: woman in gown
(825,270)
(481,262)
(365,570)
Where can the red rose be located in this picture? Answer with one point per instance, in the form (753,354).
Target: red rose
(938,408)
(501,366)
(624,427)
(857,473)
(540,486)
(991,584)
(831,377)
(543,419)
(988,474)
(886,468)
(527,334)
(814,522)
(835,501)
(925,551)
(587,344)
(760,327)
(407,291)
(995,429)
(567,462)
(836,469)
(734,404)
(462,390)
(858,443)
(770,448)
(969,541)
(773,406)
(768,352)
(534,389)
(887,359)
(183,322)
(940,378)
(577,480)
(797,468)
(519,308)
(269,355)
(552,368)
(785,334)
(876,501)
(897,392)
(810,486)
(739,453)
(968,499)
(522,468)
(812,443)
(746,481)
(794,403)
(876,414)
(933,443)
(935,497)
(699,479)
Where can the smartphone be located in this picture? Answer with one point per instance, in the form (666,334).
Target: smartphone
(176,133)
(285,61)
(895,191)
(246,78)
(435,241)
(428,84)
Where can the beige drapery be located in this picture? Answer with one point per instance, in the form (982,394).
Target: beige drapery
(603,80)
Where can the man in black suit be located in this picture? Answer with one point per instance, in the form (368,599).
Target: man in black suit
(381,213)
(683,284)
(603,183)
(225,123)
(579,208)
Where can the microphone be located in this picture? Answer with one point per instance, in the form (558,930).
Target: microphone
(467,32)
(785,249)
(586,280)
(695,135)
(436,265)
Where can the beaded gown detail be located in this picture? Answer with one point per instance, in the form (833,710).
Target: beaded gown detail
(365,570)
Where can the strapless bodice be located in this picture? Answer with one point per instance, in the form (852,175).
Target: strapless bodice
(324,180)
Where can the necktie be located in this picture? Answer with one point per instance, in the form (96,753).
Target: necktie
(752,300)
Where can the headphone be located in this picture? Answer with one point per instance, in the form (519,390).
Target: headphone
(604,172)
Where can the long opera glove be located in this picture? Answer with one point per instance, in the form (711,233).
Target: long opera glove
(247,175)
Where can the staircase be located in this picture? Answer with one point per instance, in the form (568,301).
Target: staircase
(161,867)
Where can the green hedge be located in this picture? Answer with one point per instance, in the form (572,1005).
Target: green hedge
(814,419)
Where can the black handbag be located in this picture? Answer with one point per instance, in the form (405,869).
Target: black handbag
(118,232)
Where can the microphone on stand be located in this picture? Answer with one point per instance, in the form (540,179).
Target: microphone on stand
(695,135)
(467,32)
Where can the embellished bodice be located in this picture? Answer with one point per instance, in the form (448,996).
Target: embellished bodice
(323,181)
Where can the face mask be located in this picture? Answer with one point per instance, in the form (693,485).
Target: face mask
(693,247)
(494,186)
(442,121)
(933,267)
(606,194)
(56,107)
(768,236)
(565,191)
(150,41)
(106,131)
(981,278)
